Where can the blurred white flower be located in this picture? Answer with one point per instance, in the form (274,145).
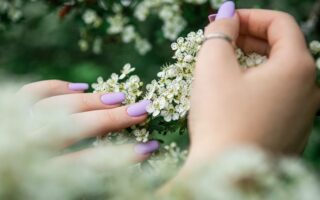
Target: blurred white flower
(318,63)
(89,16)
(142,45)
(315,47)
(127,69)
(141,134)
(128,34)
(117,23)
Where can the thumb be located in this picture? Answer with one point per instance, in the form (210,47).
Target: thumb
(217,56)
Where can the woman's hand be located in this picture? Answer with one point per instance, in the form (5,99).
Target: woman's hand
(272,106)
(88,115)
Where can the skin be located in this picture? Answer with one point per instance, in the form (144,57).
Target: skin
(87,116)
(272,106)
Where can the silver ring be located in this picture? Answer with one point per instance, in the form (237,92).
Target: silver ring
(218,35)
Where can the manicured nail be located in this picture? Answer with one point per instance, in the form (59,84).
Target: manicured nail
(212,17)
(113,98)
(78,86)
(138,109)
(146,148)
(226,10)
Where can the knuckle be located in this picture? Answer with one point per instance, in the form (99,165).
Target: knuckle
(208,28)
(309,60)
(112,118)
(285,16)
(85,102)
(53,84)
(305,68)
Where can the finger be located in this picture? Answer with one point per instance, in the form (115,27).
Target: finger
(133,153)
(48,88)
(250,44)
(81,102)
(95,123)
(216,59)
(279,29)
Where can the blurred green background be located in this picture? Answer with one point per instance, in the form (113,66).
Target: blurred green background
(42,46)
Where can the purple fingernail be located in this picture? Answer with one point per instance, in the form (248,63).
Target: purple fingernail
(138,109)
(113,98)
(226,10)
(146,148)
(78,86)
(212,17)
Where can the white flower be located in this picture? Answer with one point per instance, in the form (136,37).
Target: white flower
(142,11)
(141,135)
(130,85)
(127,69)
(174,46)
(188,58)
(89,16)
(315,47)
(156,106)
(142,45)
(170,114)
(97,45)
(83,44)
(117,23)
(128,34)
(318,63)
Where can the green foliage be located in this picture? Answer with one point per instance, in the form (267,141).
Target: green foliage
(42,45)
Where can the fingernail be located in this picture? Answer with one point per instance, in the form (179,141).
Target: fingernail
(146,148)
(212,17)
(78,86)
(113,98)
(138,109)
(226,10)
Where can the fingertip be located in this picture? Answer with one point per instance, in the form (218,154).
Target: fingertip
(147,148)
(138,109)
(78,87)
(226,10)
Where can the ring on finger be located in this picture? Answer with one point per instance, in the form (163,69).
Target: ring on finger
(219,35)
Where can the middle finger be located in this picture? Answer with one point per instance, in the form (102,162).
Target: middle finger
(81,102)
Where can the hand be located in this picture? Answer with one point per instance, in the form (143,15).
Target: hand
(271,106)
(88,115)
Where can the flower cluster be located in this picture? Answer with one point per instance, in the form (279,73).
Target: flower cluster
(170,93)
(118,24)
(113,20)
(240,174)
(168,11)
(169,160)
(250,60)
(130,85)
